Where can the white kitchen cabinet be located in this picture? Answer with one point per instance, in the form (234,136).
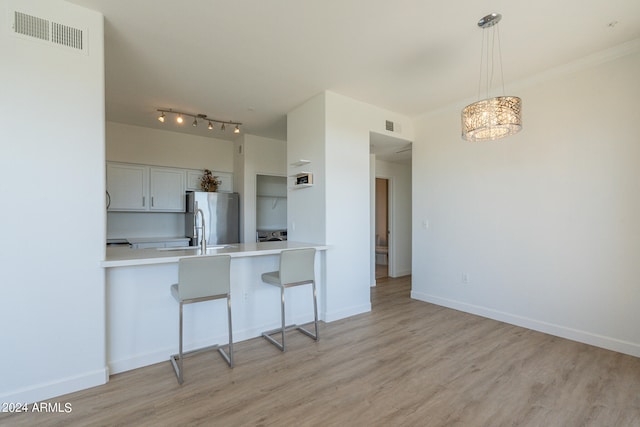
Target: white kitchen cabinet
(227,182)
(142,188)
(127,187)
(167,189)
(194,175)
(193,180)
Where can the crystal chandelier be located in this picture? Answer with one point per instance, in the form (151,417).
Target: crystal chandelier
(497,117)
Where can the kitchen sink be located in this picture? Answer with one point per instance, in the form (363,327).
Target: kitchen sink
(186,248)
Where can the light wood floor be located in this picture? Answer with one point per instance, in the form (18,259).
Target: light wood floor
(382,271)
(406,363)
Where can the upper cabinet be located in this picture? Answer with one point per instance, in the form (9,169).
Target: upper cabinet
(144,188)
(141,188)
(167,189)
(127,187)
(194,175)
(193,180)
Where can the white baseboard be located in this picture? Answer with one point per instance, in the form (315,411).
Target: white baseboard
(347,312)
(609,343)
(402,273)
(39,392)
(162,354)
(140,360)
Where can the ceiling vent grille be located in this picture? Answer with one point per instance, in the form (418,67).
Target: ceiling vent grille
(31,26)
(389,125)
(66,36)
(48,31)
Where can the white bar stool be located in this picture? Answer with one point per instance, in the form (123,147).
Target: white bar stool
(296,268)
(200,279)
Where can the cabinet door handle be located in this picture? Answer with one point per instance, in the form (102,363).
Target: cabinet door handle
(143,201)
(151,201)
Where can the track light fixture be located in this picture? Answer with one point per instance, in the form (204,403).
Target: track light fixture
(202,117)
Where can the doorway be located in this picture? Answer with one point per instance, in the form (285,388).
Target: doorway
(382,228)
(391,212)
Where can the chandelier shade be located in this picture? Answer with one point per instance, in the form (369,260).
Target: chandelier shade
(491,119)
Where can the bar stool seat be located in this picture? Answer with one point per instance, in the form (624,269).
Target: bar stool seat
(202,279)
(296,268)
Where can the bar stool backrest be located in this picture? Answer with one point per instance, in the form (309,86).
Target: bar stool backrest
(205,276)
(297,265)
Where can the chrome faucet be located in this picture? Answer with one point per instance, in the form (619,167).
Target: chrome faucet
(203,241)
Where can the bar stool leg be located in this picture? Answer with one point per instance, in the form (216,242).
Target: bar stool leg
(180,349)
(283,322)
(315,310)
(230,332)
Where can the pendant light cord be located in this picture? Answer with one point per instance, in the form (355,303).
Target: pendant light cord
(500,56)
(488,53)
(481,61)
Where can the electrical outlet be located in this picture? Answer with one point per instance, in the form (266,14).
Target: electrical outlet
(465,278)
(245,295)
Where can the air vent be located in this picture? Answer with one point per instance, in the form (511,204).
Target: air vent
(31,26)
(389,126)
(66,36)
(54,33)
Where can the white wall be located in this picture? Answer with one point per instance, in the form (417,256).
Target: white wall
(52,180)
(333,132)
(306,207)
(136,144)
(258,156)
(372,218)
(239,179)
(545,223)
(399,176)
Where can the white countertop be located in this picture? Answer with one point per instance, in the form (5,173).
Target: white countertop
(124,256)
(156,239)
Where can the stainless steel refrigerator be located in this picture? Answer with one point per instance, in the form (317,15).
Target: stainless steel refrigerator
(221,217)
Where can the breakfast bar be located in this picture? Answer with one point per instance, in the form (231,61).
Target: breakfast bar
(142,316)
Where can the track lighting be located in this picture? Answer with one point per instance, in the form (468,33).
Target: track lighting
(210,121)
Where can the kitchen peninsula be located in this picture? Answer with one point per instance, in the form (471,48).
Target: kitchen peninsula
(142,316)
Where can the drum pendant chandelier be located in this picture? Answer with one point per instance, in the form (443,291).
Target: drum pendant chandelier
(491,118)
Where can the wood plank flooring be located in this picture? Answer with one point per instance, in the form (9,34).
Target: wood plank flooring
(406,363)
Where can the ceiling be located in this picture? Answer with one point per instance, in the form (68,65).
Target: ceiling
(252,61)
